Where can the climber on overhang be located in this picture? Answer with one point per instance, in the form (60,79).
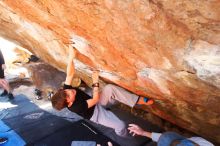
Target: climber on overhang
(95,108)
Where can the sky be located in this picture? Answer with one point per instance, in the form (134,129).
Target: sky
(7,49)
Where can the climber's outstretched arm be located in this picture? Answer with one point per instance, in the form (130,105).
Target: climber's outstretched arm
(70,70)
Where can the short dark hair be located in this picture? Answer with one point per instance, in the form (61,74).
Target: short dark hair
(58,100)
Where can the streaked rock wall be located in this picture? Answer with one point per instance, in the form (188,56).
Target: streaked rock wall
(168,50)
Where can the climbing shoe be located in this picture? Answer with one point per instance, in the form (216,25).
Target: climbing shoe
(148,101)
(145,101)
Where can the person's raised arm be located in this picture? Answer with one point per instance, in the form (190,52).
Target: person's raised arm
(95,97)
(136,130)
(70,70)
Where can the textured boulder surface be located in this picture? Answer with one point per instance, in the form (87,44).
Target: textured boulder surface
(167,50)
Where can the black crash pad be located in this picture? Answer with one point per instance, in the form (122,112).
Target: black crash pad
(41,128)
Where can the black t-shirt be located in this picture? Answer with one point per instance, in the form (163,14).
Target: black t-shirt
(80,105)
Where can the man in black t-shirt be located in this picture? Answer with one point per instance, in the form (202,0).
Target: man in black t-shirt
(94,108)
(3,83)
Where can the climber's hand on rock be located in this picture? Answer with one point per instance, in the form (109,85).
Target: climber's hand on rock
(71,42)
(72,52)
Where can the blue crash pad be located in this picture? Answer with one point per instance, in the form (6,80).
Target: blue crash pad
(13,138)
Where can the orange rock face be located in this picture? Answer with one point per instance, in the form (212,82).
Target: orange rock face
(167,50)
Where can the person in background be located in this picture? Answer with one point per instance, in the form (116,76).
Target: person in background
(169,138)
(3,83)
(95,108)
